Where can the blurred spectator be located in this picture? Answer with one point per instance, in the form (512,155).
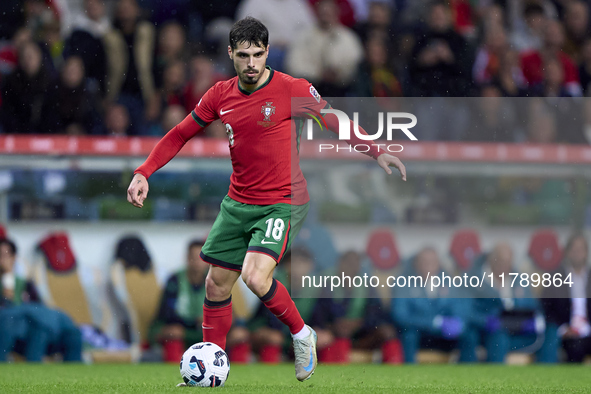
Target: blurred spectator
(170,49)
(14,290)
(487,65)
(361,322)
(178,323)
(203,76)
(585,66)
(74,109)
(542,125)
(27,326)
(52,45)
(345,11)
(24,100)
(86,41)
(510,77)
(493,119)
(441,58)
(375,78)
(577,28)
(326,54)
(378,24)
(11,18)
(426,318)
(117,120)
(269,336)
(528,27)
(532,62)
(568,308)
(171,91)
(282,31)
(172,115)
(130,55)
(502,318)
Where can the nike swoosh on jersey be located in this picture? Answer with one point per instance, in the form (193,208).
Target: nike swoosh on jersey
(222,112)
(267,242)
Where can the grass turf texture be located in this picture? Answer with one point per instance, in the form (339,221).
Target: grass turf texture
(260,379)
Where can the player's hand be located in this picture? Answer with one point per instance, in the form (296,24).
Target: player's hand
(137,191)
(386,161)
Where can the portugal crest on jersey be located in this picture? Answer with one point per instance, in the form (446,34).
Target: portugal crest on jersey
(267,110)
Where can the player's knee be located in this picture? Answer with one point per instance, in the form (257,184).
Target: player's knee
(216,290)
(257,282)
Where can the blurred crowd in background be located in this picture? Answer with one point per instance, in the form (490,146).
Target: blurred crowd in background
(137,67)
(521,323)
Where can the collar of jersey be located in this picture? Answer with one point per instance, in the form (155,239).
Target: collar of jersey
(246,92)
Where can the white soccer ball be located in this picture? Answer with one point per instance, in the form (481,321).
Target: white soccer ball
(205,364)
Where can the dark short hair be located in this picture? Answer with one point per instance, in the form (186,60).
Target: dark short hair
(10,243)
(249,30)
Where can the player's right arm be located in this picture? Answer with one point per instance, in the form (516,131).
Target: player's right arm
(168,147)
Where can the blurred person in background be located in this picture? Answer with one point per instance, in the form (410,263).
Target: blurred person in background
(528,25)
(510,79)
(378,24)
(427,318)
(117,120)
(14,290)
(170,49)
(24,93)
(502,318)
(28,327)
(170,93)
(285,19)
(568,308)
(74,104)
(86,41)
(441,59)
(533,62)
(130,58)
(487,65)
(202,77)
(171,116)
(577,28)
(361,323)
(585,67)
(326,54)
(375,77)
(178,322)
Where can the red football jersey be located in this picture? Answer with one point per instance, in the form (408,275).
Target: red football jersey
(263,136)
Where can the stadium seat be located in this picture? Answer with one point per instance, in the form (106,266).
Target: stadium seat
(58,276)
(382,250)
(545,251)
(136,290)
(384,258)
(464,248)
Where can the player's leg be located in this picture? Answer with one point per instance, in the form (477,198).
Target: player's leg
(217,308)
(257,273)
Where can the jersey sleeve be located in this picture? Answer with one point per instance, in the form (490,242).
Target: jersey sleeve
(306,99)
(205,111)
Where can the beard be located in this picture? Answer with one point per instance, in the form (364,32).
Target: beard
(250,80)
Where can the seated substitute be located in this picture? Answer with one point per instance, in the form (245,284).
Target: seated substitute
(27,326)
(361,322)
(427,318)
(502,318)
(568,308)
(180,315)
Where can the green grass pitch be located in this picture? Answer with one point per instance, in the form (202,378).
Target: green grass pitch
(261,379)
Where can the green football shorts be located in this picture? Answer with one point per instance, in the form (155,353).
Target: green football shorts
(240,228)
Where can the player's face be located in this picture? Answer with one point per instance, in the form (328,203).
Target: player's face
(249,62)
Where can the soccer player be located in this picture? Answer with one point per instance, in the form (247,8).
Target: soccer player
(267,200)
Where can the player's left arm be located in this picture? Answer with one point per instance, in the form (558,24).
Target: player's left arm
(310,99)
(384,160)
